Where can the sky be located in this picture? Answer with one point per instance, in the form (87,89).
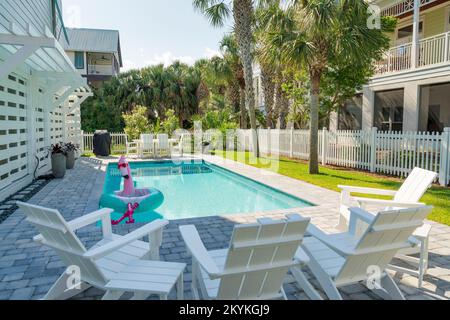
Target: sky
(151,31)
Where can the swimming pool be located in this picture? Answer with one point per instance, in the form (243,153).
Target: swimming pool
(200,189)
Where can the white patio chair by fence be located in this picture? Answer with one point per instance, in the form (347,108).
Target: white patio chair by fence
(132,147)
(338,260)
(412,190)
(114,264)
(255,265)
(163,145)
(147,144)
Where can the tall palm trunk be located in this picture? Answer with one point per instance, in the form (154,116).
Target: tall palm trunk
(269,91)
(314,130)
(243,16)
(243,109)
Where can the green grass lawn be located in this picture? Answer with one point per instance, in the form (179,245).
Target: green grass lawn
(330,178)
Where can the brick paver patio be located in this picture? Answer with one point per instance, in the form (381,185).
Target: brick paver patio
(27,270)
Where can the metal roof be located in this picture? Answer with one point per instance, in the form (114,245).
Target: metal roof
(93,40)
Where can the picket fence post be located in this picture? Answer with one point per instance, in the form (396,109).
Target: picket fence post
(324,146)
(82,142)
(445,158)
(373,150)
(291,146)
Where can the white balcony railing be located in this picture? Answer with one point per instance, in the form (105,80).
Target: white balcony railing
(403,7)
(431,51)
(101,70)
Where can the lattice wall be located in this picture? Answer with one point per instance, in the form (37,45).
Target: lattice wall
(13,130)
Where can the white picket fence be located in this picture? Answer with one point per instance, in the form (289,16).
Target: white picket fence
(118,142)
(390,153)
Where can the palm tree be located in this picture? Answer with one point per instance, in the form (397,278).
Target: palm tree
(217,11)
(316,33)
(230,51)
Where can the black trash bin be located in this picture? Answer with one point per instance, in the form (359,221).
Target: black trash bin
(102,144)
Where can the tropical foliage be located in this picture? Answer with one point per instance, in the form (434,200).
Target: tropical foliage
(136,122)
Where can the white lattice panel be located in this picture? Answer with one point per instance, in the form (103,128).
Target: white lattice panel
(13,130)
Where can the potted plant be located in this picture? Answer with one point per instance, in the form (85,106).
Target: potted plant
(59,161)
(70,150)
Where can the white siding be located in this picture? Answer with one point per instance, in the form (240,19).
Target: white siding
(36,13)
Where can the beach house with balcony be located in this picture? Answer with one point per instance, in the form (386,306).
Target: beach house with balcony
(95,53)
(411,88)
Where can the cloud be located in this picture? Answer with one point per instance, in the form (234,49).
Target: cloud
(168,58)
(210,53)
(128,65)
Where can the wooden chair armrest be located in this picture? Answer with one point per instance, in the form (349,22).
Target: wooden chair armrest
(387,203)
(103,215)
(198,251)
(364,190)
(146,230)
(336,246)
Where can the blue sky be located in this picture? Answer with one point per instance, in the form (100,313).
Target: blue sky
(151,31)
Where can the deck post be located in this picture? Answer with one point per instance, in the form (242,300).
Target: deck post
(415,40)
(373,150)
(445,159)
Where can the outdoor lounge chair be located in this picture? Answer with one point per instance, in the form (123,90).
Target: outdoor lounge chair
(338,260)
(255,265)
(412,190)
(163,145)
(147,144)
(115,264)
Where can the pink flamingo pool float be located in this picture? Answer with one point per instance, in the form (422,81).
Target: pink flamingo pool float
(129,193)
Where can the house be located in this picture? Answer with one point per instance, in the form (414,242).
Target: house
(40,90)
(95,53)
(411,88)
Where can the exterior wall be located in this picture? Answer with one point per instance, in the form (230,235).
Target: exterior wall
(412,101)
(29,122)
(71,55)
(37,14)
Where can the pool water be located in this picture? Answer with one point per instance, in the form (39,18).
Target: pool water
(200,189)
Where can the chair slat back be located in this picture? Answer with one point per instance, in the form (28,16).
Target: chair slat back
(147,141)
(387,234)
(58,235)
(415,186)
(259,258)
(163,140)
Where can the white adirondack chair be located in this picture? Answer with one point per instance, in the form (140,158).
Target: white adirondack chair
(408,196)
(163,145)
(255,265)
(111,261)
(147,144)
(132,147)
(338,260)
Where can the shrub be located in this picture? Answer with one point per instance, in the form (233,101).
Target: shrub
(136,123)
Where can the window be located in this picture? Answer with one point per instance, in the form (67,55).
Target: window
(407,32)
(434,107)
(79,60)
(389,110)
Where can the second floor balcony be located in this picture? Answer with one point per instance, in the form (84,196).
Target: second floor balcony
(430,52)
(102,64)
